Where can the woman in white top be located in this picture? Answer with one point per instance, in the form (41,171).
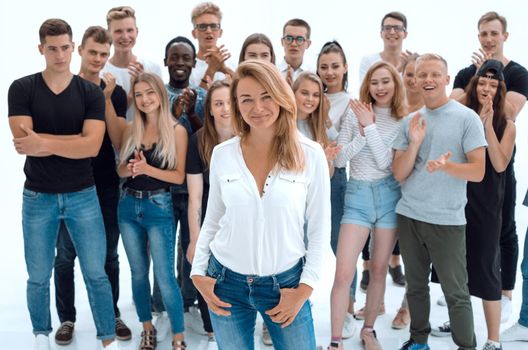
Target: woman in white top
(371,196)
(250,256)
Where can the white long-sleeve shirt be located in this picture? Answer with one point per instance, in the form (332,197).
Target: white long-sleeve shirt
(371,155)
(263,236)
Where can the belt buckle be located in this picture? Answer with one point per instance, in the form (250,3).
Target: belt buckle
(139,194)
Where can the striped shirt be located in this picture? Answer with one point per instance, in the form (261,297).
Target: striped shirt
(370,156)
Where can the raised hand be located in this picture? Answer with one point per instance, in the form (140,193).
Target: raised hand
(486,112)
(364,114)
(205,286)
(417,129)
(439,163)
(135,69)
(478,58)
(110,82)
(289,76)
(215,58)
(404,57)
(331,151)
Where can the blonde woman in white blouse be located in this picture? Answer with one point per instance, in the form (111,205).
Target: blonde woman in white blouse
(250,256)
(367,136)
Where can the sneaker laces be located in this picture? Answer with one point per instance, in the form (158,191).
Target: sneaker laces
(119,324)
(446,327)
(65,328)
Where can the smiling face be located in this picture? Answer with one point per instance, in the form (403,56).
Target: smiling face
(307,97)
(409,80)
(393,33)
(492,37)
(221,108)
(256,106)
(124,34)
(431,80)
(381,87)
(332,69)
(93,56)
(207,38)
(180,62)
(57,50)
(146,98)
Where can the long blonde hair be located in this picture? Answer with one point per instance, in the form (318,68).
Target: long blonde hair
(286,150)
(398,103)
(318,119)
(166,143)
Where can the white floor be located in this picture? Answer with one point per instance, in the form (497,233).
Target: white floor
(15,326)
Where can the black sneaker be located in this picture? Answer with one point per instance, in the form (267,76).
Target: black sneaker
(397,275)
(121,330)
(442,331)
(365,278)
(64,335)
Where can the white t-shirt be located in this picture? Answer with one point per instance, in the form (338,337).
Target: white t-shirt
(366,63)
(123,78)
(338,107)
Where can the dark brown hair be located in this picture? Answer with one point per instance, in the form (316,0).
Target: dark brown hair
(54,27)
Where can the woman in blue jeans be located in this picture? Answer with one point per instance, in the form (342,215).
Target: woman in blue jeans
(250,256)
(152,158)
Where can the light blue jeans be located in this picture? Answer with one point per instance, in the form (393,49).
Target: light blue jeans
(147,225)
(251,294)
(41,216)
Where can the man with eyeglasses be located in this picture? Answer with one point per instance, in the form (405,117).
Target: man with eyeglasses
(210,59)
(393,32)
(124,65)
(295,40)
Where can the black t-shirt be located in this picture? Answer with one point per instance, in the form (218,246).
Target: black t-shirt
(195,165)
(62,114)
(104,165)
(515,77)
(145,182)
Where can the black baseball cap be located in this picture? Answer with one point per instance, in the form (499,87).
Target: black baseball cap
(491,69)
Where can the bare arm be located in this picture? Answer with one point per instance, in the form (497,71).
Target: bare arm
(403,163)
(194,212)
(514,104)
(81,146)
(473,170)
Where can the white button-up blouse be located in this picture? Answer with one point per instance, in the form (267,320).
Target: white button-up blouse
(263,236)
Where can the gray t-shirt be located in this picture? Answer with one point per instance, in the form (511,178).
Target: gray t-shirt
(438,198)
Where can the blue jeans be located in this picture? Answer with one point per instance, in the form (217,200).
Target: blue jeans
(147,226)
(65,259)
(338,185)
(41,217)
(251,294)
(523,317)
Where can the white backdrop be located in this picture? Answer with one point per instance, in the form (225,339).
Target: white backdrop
(445,27)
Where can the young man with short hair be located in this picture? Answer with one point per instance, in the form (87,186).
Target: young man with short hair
(211,60)
(295,41)
(57,121)
(393,32)
(94,51)
(124,65)
(439,149)
(492,35)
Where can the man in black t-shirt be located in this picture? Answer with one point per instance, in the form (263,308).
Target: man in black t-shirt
(57,121)
(492,35)
(94,52)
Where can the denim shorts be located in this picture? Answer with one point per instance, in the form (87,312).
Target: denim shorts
(372,203)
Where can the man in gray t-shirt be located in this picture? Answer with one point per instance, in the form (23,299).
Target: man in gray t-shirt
(439,149)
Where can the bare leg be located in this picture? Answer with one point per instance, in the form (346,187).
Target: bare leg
(351,241)
(492,313)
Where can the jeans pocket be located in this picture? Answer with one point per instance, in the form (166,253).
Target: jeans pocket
(161,200)
(29,194)
(214,272)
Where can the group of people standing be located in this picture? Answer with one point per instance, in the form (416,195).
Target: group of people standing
(249,165)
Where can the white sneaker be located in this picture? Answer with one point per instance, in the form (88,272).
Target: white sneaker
(349,327)
(162,325)
(266,337)
(441,301)
(211,343)
(112,346)
(516,332)
(506,308)
(41,342)
(193,320)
